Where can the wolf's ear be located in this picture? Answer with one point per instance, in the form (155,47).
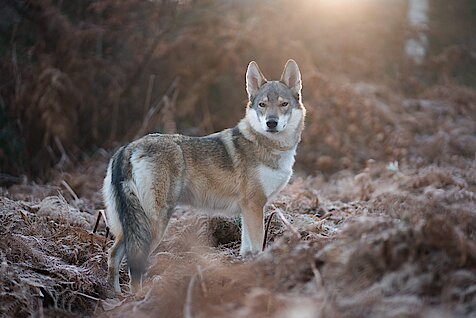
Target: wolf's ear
(292,78)
(254,79)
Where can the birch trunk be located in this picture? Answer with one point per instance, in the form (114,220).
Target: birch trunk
(416,46)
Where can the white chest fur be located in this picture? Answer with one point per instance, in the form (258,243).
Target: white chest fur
(274,180)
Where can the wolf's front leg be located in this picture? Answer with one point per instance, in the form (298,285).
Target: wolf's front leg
(252,232)
(245,238)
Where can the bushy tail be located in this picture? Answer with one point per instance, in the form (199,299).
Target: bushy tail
(134,221)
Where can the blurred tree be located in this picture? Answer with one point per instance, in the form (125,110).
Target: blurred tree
(416,46)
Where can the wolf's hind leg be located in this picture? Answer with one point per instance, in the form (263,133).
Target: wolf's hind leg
(160,225)
(116,254)
(138,238)
(137,261)
(137,258)
(157,184)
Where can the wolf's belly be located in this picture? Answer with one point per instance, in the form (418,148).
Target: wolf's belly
(209,202)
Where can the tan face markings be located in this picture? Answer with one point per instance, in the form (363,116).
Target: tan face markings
(263,102)
(283,102)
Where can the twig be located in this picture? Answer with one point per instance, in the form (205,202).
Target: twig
(149,93)
(97,222)
(105,236)
(202,281)
(64,156)
(87,296)
(187,309)
(158,105)
(98,219)
(286,222)
(49,149)
(317,276)
(267,229)
(167,114)
(59,233)
(70,190)
(25,218)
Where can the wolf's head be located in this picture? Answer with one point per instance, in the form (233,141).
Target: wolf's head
(274,106)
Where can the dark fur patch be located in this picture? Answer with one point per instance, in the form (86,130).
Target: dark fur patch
(236,134)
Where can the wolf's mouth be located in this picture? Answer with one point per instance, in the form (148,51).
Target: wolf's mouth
(272,130)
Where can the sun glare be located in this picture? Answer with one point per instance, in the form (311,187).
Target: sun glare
(345,8)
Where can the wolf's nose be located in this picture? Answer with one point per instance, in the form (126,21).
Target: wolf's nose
(272,123)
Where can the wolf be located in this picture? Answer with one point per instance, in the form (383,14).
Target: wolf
(233,172)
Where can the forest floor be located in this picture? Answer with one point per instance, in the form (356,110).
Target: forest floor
(388,240)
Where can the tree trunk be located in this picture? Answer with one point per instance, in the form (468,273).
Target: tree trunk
(416,46)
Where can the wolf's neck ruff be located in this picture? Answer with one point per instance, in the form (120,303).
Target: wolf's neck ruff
(267,150)
(287,140)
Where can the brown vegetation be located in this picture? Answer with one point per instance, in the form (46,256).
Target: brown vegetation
(380,216)
(81,75)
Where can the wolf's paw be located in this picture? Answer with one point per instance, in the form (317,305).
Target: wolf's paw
(111,293)
(247,255)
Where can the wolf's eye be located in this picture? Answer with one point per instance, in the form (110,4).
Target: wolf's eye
(261,104)
(284,104)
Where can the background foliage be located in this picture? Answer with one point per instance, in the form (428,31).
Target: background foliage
(81,75)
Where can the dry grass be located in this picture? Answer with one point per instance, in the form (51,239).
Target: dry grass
(385,242)
(402,252)
(50,261)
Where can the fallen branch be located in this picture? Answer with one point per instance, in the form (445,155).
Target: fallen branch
(87,296)
(98,219)
(286,222)
(70,190)
(267,229)
(187,309)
